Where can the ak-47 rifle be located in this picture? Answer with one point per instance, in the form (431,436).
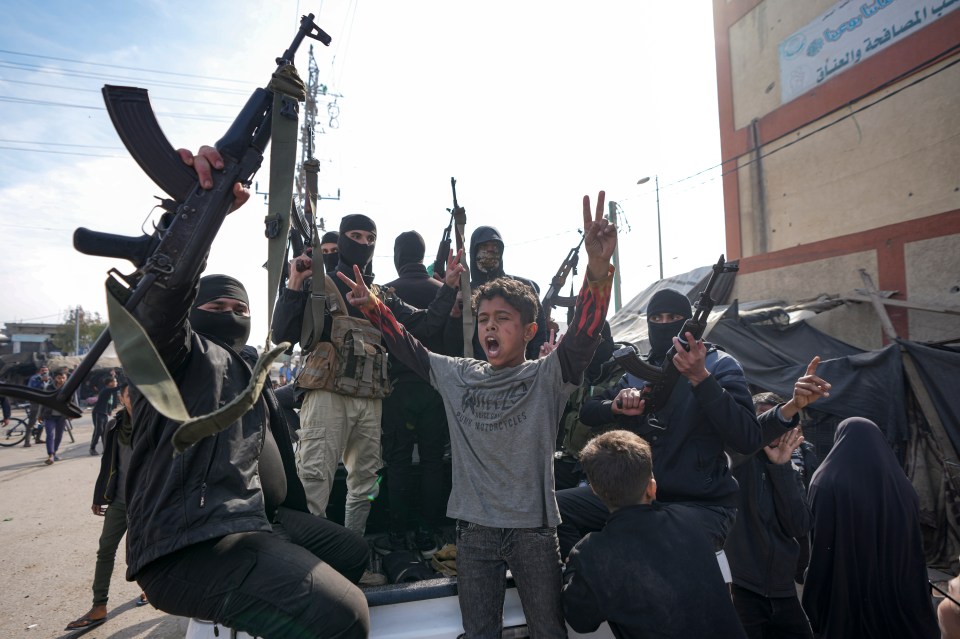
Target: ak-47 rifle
(662,379)
(175,252)
(553,298)
(443,251)
(459,217)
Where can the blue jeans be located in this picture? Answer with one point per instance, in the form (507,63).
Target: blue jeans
(54,425)
(532,555)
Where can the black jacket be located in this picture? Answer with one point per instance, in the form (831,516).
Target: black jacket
(213,488)
(105,488)
(418,289)
(762,547)
(651,572)
(699,422)
(477,277)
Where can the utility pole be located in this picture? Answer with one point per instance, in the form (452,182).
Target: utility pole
(612,208)
(77,316)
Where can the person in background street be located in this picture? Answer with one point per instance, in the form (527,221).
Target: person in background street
(109,502)
(106,403)
(5,408)
(54,422)
(39,381)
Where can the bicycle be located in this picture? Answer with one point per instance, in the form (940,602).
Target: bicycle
(14,432)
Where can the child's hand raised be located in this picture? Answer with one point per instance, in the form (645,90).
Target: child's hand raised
(600,238)
(359,294)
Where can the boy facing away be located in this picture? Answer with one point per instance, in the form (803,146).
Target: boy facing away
(503,416)
(651,571)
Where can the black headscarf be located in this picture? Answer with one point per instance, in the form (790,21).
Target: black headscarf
(867,575)
(354,253)
(229,328)
(661,335)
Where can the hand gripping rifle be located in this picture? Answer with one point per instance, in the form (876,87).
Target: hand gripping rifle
(459,217)
(443,251)
(662,379)
(174,254)
(553,298)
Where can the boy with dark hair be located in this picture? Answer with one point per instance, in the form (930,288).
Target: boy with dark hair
(503,416)
(650,566)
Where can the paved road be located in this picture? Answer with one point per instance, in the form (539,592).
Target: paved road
(50,545)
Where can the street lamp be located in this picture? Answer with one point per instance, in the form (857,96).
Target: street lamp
(656,182)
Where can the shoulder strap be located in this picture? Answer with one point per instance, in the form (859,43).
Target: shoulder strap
(323,297)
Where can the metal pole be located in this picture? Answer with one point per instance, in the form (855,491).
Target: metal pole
(76,331)
(612,208)
(656,182)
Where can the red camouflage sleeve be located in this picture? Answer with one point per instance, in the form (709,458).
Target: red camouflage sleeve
(583,334)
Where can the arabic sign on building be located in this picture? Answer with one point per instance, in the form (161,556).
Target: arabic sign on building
(851,31)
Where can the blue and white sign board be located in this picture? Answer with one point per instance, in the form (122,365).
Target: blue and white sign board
(853,30)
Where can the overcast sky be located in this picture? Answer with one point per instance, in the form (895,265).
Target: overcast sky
(530,105)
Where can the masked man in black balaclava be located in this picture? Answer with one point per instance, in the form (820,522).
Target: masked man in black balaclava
(710,409)
(329,250)
(222,531)
(413,414)
(340,418)
(486,264)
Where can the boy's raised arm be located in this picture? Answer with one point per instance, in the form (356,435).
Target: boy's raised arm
(400,343)
(578,345)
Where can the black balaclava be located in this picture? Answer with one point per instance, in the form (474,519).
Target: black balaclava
(487,266)
(229,328)
(354,253)
(330,260)
(408,248)
(661,335)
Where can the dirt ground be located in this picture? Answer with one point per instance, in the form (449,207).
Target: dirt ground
(50,540)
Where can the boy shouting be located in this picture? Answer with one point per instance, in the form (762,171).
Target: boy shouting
(503,416)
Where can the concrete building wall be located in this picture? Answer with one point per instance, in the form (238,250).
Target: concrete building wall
(753,53)
(855,323)
(859,172)
(894,160)
(933,278)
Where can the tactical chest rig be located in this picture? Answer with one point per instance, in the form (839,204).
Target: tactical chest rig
(353,362)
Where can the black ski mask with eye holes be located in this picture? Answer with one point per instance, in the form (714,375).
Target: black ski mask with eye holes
(230,328)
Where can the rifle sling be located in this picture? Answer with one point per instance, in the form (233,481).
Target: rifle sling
(283,151)
(144,367)
(469,324)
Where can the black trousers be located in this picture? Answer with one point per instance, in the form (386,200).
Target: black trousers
(295,582)
(770,617)
(413,414)
(582,512)
(100,421)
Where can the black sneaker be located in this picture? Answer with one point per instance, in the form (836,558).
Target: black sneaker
(426,542)
(391,542)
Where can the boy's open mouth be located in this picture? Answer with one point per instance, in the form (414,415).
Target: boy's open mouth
(492,344)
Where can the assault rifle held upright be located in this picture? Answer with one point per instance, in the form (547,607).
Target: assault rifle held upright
(662,379)
(175,252)
(553,298)
(443,251)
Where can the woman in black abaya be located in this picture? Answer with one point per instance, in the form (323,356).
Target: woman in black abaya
(867,576)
